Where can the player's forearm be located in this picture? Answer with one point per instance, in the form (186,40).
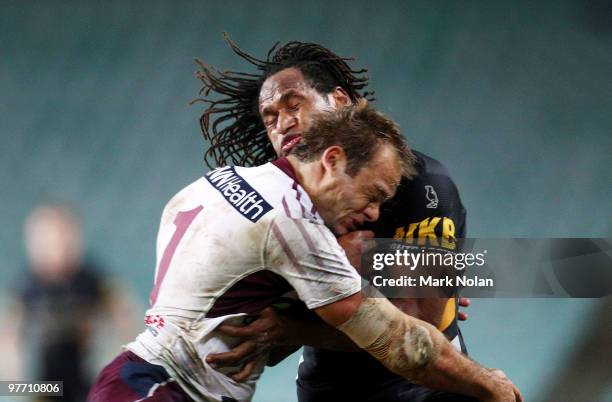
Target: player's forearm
(312,331)
(453,372)
(316,333)
(415,350)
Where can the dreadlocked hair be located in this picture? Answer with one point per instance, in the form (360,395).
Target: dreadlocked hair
(231,123)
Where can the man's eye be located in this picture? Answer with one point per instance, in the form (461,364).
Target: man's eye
(270,121)
(295,107)
(378,198)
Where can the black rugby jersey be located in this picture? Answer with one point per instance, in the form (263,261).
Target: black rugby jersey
(427,205)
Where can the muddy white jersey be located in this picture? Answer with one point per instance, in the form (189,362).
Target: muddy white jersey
(230,244)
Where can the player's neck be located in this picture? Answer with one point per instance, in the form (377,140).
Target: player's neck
(308,175)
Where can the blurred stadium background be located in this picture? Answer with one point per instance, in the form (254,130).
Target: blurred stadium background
(514,97)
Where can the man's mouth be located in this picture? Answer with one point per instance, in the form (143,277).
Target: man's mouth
(289,142)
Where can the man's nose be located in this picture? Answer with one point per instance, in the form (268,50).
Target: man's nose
(286,122)
(372,212)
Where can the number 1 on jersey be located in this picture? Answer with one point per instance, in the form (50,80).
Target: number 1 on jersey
(182,221)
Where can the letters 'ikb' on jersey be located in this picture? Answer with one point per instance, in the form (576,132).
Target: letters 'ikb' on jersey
(230,244)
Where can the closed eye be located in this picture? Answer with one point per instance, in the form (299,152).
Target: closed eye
(269,121)
(379,194)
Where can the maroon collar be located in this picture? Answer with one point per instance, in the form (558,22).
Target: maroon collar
(284,165)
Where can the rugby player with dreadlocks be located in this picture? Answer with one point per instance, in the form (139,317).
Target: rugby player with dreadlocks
(236,240)
(250,119)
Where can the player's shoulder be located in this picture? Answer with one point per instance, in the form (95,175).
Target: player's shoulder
(266,180)
(432,176)
(267,191)
(432,192)
(186,199)
(278,184)
(298,214)
(297,218)
(429,167)
(237,185)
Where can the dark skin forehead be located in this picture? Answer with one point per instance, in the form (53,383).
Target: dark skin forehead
(281,86)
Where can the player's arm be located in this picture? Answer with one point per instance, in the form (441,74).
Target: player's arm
(281,333)
(414,349)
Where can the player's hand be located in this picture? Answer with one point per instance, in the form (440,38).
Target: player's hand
(258,337)
(355,244)
(463,302)
(503,390)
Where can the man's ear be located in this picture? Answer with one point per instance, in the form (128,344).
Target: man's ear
(334,159)
(340,97)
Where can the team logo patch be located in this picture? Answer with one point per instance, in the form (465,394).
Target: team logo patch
(432,197)
(248,202)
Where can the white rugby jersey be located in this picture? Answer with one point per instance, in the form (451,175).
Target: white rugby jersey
(230,244)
